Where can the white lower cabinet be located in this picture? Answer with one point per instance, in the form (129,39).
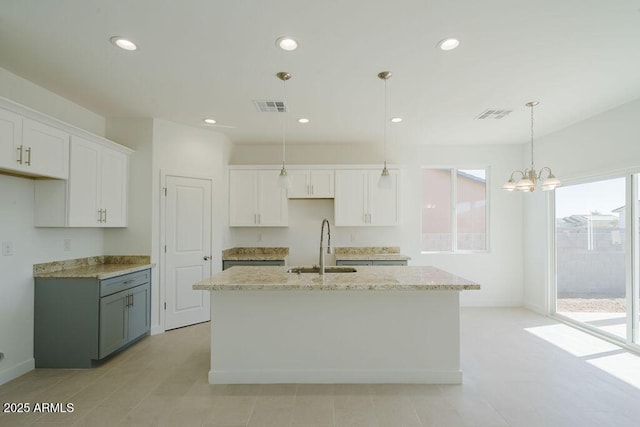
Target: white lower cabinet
(311,184)
(95,194)
(359,201)
(28,147)
(255,200)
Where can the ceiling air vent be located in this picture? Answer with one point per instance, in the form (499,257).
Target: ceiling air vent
(493,114)
(270,106)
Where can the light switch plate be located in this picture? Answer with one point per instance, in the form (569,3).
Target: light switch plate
(7,248)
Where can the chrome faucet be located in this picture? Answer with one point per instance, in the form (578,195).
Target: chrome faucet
(321,272)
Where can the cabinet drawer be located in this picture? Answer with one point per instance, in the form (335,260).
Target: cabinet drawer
(126,281)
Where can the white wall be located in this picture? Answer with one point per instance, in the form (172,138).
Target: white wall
(603,144)
(33,245)
(499,271)
(40,99)
(192,151)
(136,238)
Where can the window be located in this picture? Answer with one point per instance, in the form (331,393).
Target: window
(454,210)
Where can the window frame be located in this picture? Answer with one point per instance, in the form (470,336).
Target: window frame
(454,211)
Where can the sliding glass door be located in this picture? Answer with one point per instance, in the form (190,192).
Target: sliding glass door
(593,262)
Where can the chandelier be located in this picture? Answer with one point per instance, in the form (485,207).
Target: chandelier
(529,177)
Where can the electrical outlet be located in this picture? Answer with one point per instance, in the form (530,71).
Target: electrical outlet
(66,245)
(259,237)
(7,248)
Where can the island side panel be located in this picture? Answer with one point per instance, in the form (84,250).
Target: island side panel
(335,337)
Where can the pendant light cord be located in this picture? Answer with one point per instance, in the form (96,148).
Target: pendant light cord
(384,140)
(284,121)
(532,166)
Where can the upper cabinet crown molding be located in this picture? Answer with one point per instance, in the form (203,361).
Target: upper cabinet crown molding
(35,145)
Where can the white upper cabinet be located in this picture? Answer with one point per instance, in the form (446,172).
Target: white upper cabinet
(255,200)
(359,201)
(95,194)
(311,184)
(32,148)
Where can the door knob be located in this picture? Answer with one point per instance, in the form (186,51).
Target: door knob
(207,257)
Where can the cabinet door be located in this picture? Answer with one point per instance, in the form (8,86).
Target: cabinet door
(113,322)
(243,186)
(46,150)
(384,204)
(139,311)
(10,138)
(84,184)
(114,171)
(351,198)
(272,200)
(322,183)
(300,185)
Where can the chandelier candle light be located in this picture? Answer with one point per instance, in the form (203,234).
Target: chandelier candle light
(385,179)
(530,177)
(284,181)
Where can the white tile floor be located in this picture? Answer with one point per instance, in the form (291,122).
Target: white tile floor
(521,369)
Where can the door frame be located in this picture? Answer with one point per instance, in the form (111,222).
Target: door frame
(632,264)
(162,262)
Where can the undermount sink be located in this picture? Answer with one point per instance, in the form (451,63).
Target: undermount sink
(316,269)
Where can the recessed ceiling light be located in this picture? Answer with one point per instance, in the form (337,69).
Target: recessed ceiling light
(286,43)
(209,121)
(396,120)
(123,43)
(303,120)
(448,44)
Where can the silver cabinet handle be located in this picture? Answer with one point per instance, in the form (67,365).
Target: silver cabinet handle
(28,162)
(312,191)
(308,192)
(258,219)
(99,215)
(105,215)
(133,301)
(20,156)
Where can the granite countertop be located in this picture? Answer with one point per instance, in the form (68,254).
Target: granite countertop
(255,254)
(366,253)
(367,278)
(98,267)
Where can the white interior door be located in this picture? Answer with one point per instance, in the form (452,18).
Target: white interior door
(188,249)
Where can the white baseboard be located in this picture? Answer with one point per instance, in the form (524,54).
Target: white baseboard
(491,303)
(157,329)
(17,370)
(334,377)
(536,309)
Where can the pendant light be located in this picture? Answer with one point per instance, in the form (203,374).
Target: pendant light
(529,180)
(284,181)
(385,179)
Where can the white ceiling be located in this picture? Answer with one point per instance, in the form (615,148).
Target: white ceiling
(205,58)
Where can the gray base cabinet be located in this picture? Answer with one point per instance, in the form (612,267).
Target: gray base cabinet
(257,263)
(371,262)
(80,321)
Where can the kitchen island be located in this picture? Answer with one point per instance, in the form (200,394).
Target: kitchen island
(376,325)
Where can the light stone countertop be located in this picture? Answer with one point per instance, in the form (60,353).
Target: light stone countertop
(367,278)
(366,253)
(255,253)
(100,267)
